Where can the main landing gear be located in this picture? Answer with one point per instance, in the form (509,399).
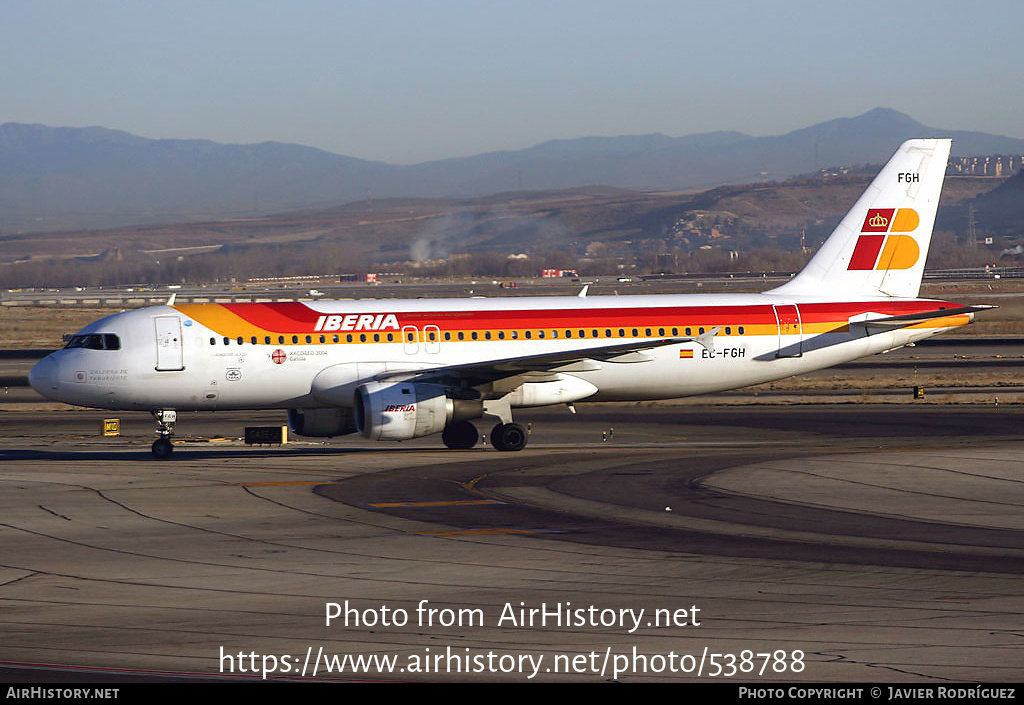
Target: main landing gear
(162,446)
(460,435)
(507,435)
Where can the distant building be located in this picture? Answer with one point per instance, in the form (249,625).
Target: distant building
(992,165)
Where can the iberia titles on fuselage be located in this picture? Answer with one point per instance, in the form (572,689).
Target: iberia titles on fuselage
(394,370)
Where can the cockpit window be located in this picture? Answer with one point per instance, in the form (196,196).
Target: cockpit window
(95,341)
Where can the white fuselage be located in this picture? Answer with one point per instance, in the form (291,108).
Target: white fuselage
(314,354)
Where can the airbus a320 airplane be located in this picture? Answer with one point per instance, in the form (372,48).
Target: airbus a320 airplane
(395,370)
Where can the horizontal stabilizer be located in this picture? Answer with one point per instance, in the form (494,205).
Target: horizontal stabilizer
(877,322)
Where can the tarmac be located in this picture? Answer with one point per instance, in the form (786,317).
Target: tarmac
(633,543)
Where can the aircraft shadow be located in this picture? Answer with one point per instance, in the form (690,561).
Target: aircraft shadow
(186,454)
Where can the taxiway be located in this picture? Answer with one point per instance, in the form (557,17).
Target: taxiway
(880,542)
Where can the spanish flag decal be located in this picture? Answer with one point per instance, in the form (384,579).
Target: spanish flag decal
(686,354)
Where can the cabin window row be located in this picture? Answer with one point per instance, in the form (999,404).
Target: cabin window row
(433,336)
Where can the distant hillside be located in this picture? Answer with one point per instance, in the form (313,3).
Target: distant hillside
(594,228)
(71,177)
(1000,212)
(61,178)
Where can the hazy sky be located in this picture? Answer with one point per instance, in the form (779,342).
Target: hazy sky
(407,81)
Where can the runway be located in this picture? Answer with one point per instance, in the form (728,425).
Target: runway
(836,542)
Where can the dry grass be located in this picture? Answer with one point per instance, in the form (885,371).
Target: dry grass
(1008,295)
(43,327)
(839,380)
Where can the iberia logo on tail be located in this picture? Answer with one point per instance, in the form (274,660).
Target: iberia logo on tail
(883,243)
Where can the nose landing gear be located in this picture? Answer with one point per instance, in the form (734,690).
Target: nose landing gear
(162,447)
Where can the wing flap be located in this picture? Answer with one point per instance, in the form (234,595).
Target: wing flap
(576,360)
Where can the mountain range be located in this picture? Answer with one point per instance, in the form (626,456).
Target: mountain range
(63,177)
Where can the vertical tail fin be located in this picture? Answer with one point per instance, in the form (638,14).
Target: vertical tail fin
(880,247)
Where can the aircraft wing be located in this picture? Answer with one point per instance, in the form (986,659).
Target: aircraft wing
(878,323)
(574,360)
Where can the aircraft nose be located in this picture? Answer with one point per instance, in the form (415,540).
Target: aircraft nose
(43,376)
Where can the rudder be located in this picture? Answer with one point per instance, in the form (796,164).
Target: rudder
(880,247)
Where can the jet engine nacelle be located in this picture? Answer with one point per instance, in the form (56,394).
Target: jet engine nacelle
(335,385)
(398,411)
(322,423)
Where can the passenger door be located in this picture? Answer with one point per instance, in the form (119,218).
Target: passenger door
(790,331)
(169,349)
